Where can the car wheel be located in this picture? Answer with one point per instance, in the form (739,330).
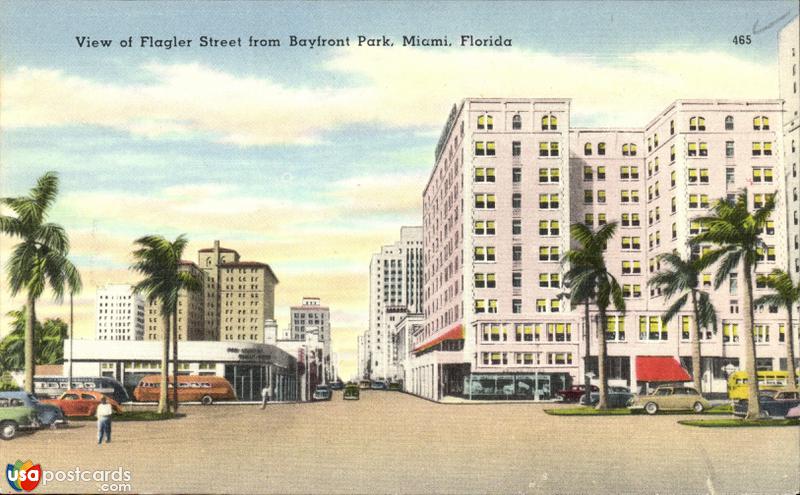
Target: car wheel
(8,430)
(651,408)
(206,400)
(765,413)
(698,407)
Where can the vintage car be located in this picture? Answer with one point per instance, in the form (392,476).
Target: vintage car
(575,392)
(46,414)
(671,398)
(337,385)
(81,402)
(773,404)
(618,397)
(322,392)
(15,414)
(351,392)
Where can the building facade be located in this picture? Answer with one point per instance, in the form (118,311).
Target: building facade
(395,287)
(511,175)
(119,313)
(234,303)
(789,86)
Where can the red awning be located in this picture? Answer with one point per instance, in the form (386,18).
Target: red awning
(660,369)
(455,333)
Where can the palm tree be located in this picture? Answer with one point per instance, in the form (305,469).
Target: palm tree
(737,233)
(786,295)
(48,347)
(682,277)
(40,260)
(159,260)
(589,277)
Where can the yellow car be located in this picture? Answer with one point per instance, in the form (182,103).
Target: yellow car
(671,398)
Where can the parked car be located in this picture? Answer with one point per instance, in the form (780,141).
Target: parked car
(322,392)
(337,385)
(352,392)
(617,397)
(773,404)
(396,386)
(46,414)
(81,402)
(671,398)
(364,384)
(15,414)
(51,387)
(793,413)
(378,385)
(575,392)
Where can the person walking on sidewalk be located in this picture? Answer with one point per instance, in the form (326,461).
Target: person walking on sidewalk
(104,412)
(265,396)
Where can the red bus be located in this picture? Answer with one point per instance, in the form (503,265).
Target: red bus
(191,388)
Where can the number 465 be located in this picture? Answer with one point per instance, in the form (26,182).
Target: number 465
(742,39)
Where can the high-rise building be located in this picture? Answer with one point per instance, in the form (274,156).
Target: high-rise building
(235,302)
(191,323)
(119,313)
(363,355)
(511,175)
(312,315)
(395,288)
(789,78)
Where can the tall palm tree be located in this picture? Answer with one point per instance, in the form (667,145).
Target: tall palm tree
(40,260)
(588,276)
(736,232)
(159,260)
(786,295)
(48,346)
(682,278)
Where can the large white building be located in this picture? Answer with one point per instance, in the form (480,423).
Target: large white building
(511,175)
(395,289)
(789,77)
(119,313)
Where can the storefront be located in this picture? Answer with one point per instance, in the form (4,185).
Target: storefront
(514,386)
(249,367)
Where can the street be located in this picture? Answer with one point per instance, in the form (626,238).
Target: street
(389,442)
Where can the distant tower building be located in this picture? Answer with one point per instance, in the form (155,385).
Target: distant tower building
(239,295)
(119,313)
(311,314)
(190,311)
(395,287)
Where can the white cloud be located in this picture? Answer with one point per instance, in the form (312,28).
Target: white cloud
(401,87)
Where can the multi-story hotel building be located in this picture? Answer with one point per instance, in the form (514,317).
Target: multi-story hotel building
(119,313)
(312,316)
(235,301)
(789,79)
(510,177)
(395,289)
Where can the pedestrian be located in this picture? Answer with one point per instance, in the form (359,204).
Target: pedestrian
(104,412)
(264,397)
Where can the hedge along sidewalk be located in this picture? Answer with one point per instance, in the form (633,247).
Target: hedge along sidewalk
(738,423)
(590,411)
(135,416)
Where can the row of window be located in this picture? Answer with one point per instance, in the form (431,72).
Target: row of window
(486,123)
(501,358)
(527,332)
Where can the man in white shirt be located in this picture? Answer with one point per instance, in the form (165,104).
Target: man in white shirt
(104,412)
(265,396)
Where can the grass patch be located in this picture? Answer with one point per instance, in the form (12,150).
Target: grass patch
(738,423)
(135,416)
(586,411)
(724,409)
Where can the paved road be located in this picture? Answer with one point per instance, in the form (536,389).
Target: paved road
(394,443)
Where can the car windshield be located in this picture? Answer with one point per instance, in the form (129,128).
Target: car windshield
(33,398)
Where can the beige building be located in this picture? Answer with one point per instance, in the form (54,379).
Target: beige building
(236,299)
(789,78)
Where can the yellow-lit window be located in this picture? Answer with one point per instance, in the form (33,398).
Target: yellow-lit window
(490,151)
(756,149)
(541,305)
(692,175)
(490,175)
(554,305)
(601,197)
(544,280)
(480,175)
(704,175)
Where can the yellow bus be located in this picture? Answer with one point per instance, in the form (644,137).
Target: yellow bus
(767,380)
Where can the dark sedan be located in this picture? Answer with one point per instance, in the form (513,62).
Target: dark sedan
(773,404)
(575,392)
(618,397)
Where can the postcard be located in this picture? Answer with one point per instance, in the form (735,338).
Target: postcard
(414,247)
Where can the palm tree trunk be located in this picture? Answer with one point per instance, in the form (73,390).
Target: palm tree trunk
(163,398)
(753,407)
(175,360)
(587,355)
(696,368)
(601,359)
(30,337)
(792,381)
